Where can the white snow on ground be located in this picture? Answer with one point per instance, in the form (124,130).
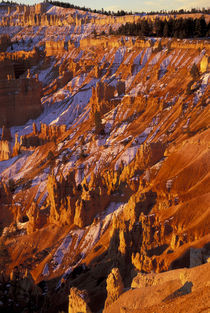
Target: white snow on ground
(179,59)
(155,59)
(138,58)
(205,79)
(78,233)
(197,59)
(69,165)
(79,56)
(45,75)
(79,175)
(61,251)
(6,164)
(117,131)
(204,83)
(185,62)
(88,237)
(109,120)
(41,178)
(129,81)
(166,62)
(114,208)
(27,165)
(16,166)
(186,124)
(54,10)
(159,127)
(127,61)
(173,125)
(140,87)
(119,55)
(91,237)
(76,83)
(96,230)
(146,56)
(126,157)
(45,271)
(143,136)
(41,181)
(61,112)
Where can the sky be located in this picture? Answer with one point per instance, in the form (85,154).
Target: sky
(134,5)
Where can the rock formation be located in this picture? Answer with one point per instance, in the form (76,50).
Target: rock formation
(103,97)
(38,138)
(114,287)
(5,144)
(163,292)
(21,101)
(204,64)
(5,42)
(78,301)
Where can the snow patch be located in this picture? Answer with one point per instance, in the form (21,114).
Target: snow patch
(126,157)
(61,251)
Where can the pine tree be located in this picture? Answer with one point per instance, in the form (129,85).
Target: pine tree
(166,30)
(159,47)
(111,31)
(194,72)
(99,129)
(4,255)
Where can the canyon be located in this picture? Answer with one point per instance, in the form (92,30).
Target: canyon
(104,165)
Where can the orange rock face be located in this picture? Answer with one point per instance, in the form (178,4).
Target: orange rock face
(21,101)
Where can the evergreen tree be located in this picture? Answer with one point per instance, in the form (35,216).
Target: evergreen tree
(111,32)
(99,129)
(194,72)
(4,255)
(166,30)
(159,47)
(145,29)
(158,27)
(203,26)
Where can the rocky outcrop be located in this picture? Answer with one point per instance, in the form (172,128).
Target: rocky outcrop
(165,292)
(114,287)
(5,150)
(54,47)
(5,144)
(16,148)
(37,218)
(5,42)
(105,97)
(37,138)
(75,204)
(41,8)
(204,64)
(62,198)
(6,216)
(78,301)
(21,100)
